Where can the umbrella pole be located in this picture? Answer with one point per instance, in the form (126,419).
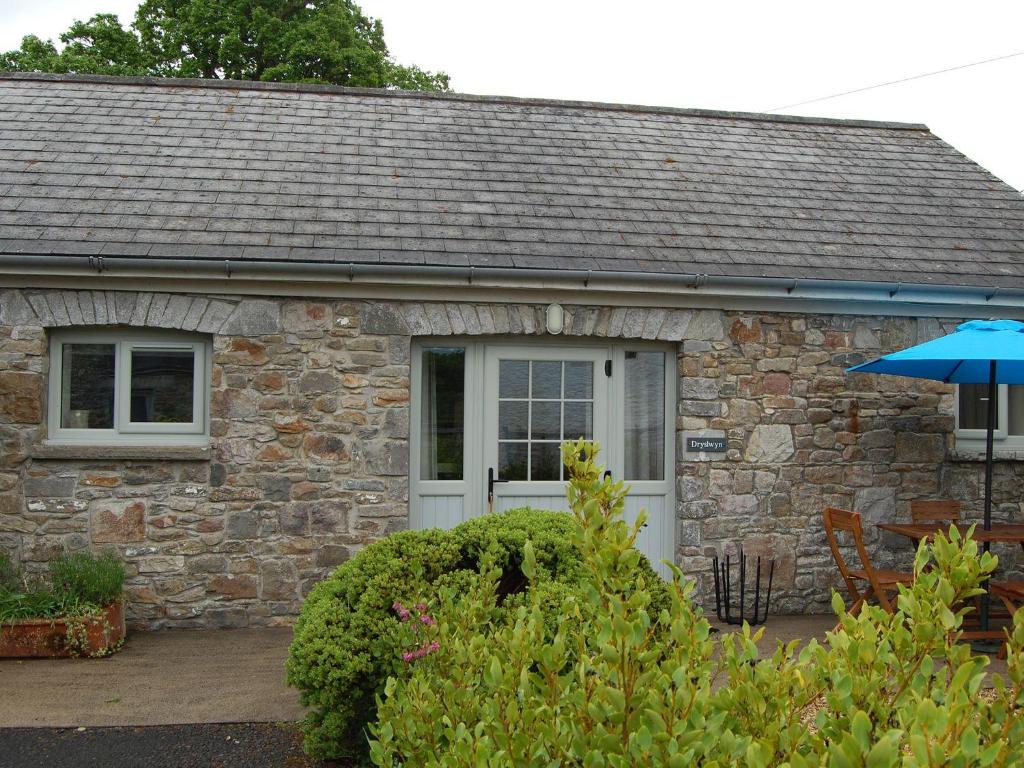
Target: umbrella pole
(989,461)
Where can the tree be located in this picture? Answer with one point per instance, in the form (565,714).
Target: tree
(100,46)
(312,41)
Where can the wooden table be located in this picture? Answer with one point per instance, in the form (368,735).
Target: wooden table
(1007,533)
(1001,532)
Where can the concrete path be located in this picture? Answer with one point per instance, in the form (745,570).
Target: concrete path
(787,628)
(159,678)
(214,676)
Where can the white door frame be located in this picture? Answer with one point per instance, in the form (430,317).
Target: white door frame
(471,491)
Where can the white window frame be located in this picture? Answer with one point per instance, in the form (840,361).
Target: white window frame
(125,431)
(1002,417)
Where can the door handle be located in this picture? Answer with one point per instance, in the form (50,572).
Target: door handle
(491,480)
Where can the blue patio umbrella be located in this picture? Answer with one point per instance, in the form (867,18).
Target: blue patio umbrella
(977,352)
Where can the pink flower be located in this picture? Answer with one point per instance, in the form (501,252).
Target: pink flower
(402,611)
(420,652)
(428,620)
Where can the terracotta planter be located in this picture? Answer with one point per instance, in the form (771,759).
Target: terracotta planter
(34,638)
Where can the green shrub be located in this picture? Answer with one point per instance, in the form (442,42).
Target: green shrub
(348,640)
(623,683)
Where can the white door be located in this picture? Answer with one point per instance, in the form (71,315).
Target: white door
(535,398)
(488,420)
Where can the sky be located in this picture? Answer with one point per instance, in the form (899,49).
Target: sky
(724,54)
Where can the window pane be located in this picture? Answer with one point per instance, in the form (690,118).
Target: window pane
(546,421)
(162,382)
(87,386)
(974,406)
(579,381)
(513,378)
(441,415)
(545,461)
(512,419)
(512,461)
(579,421)
(547,379)
(645,416)
(1015,404)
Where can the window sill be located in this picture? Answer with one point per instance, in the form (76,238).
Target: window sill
(86,451)
(963,453)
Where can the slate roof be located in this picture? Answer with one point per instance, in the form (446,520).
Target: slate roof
(198,169)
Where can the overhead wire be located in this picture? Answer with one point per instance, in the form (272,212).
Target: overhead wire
(897,82)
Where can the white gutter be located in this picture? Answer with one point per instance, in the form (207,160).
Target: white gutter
(239,275)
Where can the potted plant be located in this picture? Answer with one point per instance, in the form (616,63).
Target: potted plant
(78,611)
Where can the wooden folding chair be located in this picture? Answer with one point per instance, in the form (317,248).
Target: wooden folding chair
(935,511)
(879,582)
(1010,592)
(1012,595)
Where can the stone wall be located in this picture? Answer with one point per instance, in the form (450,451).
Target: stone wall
(308,458)
(803,435)
(309,442)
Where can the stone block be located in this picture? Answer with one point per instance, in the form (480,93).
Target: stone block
(698,510)
(740,505)
(117,522)
(279,580)
(706,325)
(253,317)
(329,516)
(319,382)
(326,447)
(274,487)
(302,316)
(696,388)
(99,480)
(234,587)
(920,448)
(770,443)
(330,555)
(876,505)
(207,564)
(144,474)
(243,351)
(385,319)
(161,564)
(242,525)
(391,458)
(49,487)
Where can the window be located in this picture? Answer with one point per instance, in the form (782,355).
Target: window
(128,387)
(541,403)
(972,416)
(645,415)
(442,413)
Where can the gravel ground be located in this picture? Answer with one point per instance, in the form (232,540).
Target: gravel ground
(253,745)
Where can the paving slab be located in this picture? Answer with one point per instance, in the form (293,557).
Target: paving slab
(159,678)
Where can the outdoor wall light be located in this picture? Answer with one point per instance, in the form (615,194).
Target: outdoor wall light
(555,319)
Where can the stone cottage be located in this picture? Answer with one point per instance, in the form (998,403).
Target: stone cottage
(247,328)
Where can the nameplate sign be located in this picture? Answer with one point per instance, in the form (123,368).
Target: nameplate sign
(706,445)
